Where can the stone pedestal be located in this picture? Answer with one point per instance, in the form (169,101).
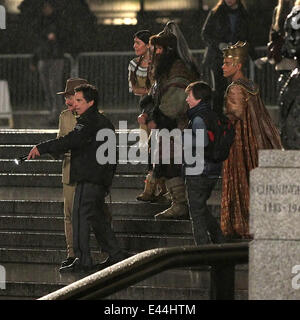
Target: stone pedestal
(274,256)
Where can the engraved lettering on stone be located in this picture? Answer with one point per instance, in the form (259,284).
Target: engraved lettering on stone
(278,189)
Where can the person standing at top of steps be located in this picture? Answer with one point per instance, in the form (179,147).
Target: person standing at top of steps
(227,22)
(93,180)
(67,122)
(254,130)
(48,57)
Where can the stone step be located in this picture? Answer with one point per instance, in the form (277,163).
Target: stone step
(31,281)
(191,284)
(31,207)
(55,166)
(130,225)
(49,273)
(42,265)
(56,194)
(12,151)
(36,280)
(140,292)
(32,291)
(51,240)
(161,293)
(26,136)
(128,209)
(33,193)
(27,291)
(54,180)
(40,256)
(39,118)
(35,136)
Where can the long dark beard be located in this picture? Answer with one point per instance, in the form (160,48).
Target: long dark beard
(163,63)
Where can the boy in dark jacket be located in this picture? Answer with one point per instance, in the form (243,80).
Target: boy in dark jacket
(200,185)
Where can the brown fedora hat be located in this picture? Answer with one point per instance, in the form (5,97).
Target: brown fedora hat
(71,84)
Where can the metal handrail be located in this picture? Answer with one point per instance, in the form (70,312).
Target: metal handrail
(148,263)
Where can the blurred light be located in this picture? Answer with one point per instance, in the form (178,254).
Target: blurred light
(12,5)
(118,21)
(164,20)
(130,21)
(109,5)
(158,5)
(107,21)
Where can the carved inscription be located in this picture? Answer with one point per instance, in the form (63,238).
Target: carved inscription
(279,207)
(273,190)
(278,189)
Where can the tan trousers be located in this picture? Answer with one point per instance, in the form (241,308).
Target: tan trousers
(68,192)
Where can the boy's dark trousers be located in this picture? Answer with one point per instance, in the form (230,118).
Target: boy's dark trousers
(205,226)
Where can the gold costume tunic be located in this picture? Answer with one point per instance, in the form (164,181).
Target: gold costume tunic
(254,130)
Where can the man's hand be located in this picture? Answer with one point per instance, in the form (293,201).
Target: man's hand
(34,152)
(142,118)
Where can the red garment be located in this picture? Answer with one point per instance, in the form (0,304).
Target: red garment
(254,130)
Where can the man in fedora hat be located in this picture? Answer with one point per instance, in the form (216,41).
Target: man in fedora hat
(93,180)
(67,122)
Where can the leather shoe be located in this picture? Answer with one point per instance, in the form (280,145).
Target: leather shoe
(73,266)
(67,262)
(111,261)
(107,263)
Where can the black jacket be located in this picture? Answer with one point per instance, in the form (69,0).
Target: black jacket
(217,29)
(291,47)
(83,145)
(211,169)
(50,49)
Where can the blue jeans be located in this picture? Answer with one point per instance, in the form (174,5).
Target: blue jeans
(205,226)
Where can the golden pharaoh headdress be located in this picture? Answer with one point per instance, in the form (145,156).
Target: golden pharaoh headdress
(238,52)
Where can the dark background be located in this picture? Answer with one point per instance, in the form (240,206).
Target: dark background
(84,34)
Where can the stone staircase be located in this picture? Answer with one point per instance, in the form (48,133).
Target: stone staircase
(32,241)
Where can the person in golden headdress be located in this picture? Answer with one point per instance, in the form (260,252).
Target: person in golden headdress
(255,130)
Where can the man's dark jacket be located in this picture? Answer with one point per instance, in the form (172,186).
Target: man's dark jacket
(83,145)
